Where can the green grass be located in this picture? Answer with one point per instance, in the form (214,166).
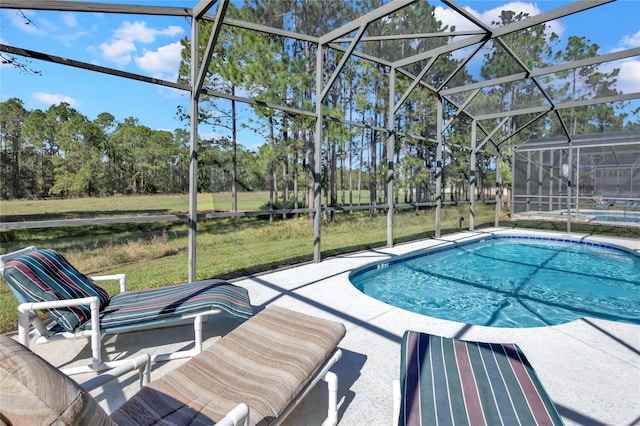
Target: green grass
(123,205)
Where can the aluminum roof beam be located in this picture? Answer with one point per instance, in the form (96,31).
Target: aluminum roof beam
(211,44)
(82,6)
(561,106)
(202,7)
(91,67)
(506,29)
(380,12)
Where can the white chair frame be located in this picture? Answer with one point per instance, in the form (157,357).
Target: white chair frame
(27,316)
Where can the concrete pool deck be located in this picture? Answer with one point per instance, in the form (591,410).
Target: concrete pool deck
(590,367)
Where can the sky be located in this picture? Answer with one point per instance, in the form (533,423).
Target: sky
(150,45)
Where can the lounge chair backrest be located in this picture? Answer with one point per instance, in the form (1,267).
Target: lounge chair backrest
(45,275)
(33,392)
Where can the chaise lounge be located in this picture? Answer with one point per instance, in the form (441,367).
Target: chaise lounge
(46,284)
(254,375)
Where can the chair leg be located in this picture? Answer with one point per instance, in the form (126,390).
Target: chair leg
(23,327)
(96,336)
(332,384)
(197,331)
(197,348)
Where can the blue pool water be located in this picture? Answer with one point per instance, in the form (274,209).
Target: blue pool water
(618,218)
(511,282)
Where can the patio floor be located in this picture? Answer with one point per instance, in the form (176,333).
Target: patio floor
(590,367)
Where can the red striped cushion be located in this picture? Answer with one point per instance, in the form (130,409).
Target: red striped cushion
(447,381)
(156,305)
(45,275)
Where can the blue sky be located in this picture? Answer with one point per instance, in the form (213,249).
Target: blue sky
(151,46)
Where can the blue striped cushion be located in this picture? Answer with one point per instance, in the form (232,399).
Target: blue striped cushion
(45,275)
(453,382)
(156,305)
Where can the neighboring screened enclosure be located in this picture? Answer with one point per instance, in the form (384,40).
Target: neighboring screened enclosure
(603,170)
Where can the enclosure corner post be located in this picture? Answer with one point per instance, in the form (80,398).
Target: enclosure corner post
(498,189)
(391,143)
(569,176)
(317,167)
(472,177)
(439,169)
(193,151)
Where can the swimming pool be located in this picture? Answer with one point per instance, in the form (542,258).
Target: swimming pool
(510,282)
(629,218)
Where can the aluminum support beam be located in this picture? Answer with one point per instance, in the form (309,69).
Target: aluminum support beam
(447,48)
(414,83)
(193,152)
(629,53)
(439,168)
(461,108)
(211,44)
(317,166)
(203,7)
(569,178)
(380,12)
(391,146)
(82,6)
(412,36)
(91,67)
(496,221)
(472,177)
(564,105)
(343,61)
(491,133)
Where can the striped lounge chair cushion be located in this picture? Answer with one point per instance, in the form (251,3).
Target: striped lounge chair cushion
(265,363)
(447,381)
(157,305)
(44,275)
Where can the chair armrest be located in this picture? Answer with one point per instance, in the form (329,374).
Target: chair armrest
(238,416)
(117,277)
(142,363)
(24,310)
(10,256)
(33,306)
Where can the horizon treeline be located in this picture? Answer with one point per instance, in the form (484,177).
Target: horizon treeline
(60,153)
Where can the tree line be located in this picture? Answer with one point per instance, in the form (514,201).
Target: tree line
(60,153)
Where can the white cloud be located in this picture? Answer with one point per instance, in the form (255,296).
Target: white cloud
(629,77)
(628,80)
(69,19)
(118,51)
(54,99)
(138,31)
(159,62)
(123,44)
(631,41)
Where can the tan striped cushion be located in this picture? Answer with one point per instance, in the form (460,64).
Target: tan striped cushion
(33,392)
(265,363)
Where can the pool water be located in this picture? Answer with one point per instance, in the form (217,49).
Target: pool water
(511,282)
(618,218)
